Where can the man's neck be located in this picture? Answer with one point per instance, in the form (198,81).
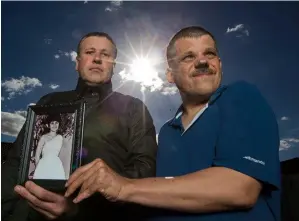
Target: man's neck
(84,89)
(193,104)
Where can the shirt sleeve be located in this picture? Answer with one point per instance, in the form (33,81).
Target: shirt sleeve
(143,145)
(248,139)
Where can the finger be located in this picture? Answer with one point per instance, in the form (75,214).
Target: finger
(44,212)
(89,187)
(79,172)
(23,192)
(80,181)
(42,193)
(88,182)
(86,193)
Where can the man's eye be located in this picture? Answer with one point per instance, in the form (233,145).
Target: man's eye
(211,54)
(188,57)
(89,52)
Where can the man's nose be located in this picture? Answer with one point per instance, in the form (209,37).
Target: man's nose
(97,58)
(201,62)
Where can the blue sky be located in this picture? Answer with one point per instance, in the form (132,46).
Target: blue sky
(258,42)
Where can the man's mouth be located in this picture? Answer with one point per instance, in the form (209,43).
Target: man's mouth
(202,72)
(96,69)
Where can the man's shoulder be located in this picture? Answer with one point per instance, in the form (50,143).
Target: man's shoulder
(57,97)
(126,97)
(244,98)
(241,91)
(128,101)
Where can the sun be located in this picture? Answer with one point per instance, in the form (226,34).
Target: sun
(142,70)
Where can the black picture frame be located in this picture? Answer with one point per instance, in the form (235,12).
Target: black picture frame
(38,121)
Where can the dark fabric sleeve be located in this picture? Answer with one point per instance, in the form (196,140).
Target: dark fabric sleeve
(9,175)
(249,138)
(142,142)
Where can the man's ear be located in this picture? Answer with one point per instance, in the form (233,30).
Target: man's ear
(169,75)
(77,60)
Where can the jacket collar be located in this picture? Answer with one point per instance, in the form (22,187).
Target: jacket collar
(101,91)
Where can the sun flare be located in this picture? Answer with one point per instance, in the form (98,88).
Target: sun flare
(143,70)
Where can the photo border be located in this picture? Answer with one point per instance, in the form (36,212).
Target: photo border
(78,108)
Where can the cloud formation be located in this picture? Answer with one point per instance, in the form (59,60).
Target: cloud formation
(48,41)
(284,118)
(71,54)
(288,143)
(148,81)
(11,123)
(114,6)
(20,86)
(54,86)
(240,30)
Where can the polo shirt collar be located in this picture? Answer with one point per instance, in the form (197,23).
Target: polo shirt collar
(176,121)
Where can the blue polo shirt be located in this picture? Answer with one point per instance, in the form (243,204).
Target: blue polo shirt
(236,130)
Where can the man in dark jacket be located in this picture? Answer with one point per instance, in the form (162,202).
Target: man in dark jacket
(118,129)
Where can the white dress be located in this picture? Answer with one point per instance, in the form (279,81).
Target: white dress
(50,166)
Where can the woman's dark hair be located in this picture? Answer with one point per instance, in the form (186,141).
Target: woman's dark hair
(54,117)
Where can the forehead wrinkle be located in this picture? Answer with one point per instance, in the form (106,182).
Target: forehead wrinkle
(93,43)
(188,44)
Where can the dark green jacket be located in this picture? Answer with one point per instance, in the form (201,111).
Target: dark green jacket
(118,129)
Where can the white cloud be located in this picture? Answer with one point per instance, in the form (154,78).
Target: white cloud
(48,41)
(11,123)
(288,143)
(150,81)
(240,30)
(71,54)
(30,104)
(117,3)
(20,86)
(169,90)
(54,86)
(108,9)
(284,118)
(114,6)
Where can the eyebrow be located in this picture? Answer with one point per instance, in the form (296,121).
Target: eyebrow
(92,48)
(211,49)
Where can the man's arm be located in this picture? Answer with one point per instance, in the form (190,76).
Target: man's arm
(10,172)
(143,145)
(210,190)
(246,161)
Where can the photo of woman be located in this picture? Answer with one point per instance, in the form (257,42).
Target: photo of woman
(48,163)
(52,145)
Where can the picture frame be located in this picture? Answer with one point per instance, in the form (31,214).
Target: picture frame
(52,144)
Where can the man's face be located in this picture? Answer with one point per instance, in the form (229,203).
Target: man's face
(196,68)
(96,60)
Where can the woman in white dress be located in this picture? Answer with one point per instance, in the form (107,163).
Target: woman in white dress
(48,163)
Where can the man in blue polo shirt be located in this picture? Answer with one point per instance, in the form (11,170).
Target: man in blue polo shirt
(218,157)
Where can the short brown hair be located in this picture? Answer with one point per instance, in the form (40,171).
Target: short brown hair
(97,34)
(187,32)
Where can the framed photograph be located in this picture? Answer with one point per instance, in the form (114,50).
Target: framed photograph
(52,144)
